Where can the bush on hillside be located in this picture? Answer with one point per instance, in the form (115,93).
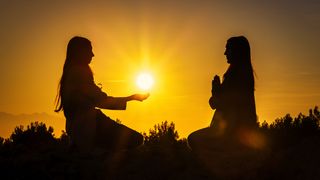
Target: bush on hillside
(36,135)
(164,133)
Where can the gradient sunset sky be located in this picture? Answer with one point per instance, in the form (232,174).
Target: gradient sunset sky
(180,42)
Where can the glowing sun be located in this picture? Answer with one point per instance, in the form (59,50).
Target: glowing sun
(144,81)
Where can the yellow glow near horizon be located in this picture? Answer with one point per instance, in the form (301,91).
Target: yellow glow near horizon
(144,81)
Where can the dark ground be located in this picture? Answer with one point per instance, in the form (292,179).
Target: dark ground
(294,161)
(291,150)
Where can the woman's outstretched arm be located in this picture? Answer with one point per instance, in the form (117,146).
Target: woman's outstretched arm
(94,94)
(119,103)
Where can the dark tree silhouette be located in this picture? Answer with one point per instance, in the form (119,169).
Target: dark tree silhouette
(163,133)
(64,139)
(1,142)
(302,123)
(36,136)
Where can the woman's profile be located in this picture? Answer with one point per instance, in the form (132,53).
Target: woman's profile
(232,99)
(79,98)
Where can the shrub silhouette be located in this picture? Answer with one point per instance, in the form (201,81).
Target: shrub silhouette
(64,139)
(288,131)
(162,134)
(36,135)
(302,123)
(1,142)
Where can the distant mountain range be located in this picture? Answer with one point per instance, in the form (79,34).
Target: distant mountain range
(9,121)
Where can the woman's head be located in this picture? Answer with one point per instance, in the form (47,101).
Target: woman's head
(238,51)
(79,51)
(239,58)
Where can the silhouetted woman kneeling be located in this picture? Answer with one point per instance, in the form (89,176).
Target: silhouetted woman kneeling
(233,99)
(79,97)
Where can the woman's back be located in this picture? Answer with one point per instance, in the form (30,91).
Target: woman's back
(239,104)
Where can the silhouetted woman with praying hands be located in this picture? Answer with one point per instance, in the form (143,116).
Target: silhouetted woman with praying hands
(233,99)
(79,97)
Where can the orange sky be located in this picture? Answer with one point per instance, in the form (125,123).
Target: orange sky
(180,42)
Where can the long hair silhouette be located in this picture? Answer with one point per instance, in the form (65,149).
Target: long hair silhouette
(77,49)
(240,54)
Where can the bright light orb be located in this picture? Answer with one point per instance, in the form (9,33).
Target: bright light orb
(144,81)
